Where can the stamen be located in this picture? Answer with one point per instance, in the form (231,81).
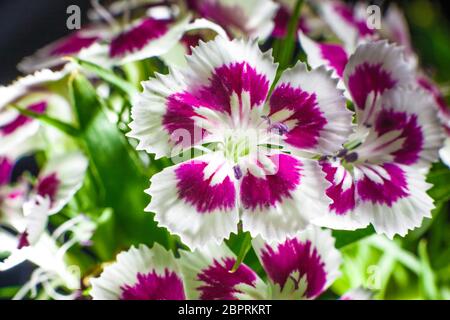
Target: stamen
(342,153)
(237,172)
(280,128)
(352,157)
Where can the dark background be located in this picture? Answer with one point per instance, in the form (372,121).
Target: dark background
(27,25)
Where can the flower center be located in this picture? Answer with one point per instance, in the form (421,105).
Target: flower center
(241,143)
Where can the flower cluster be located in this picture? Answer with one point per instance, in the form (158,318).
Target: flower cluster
(301,267)
(237,136)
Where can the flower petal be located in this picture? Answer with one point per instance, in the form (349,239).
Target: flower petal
(143,39)
(220,74)
(28,92)
(61,178)
(444,153)
(207,274)
(16,128)
(251,18)
(342,192)
(6,167)
(300,267)
(196,200)
(358,294)
(439,99)
(349,24)
(372,70)
(393,198)
(396,28)
(405,130)
(36,212)
(52,56)
(313,110)
(140,274)
(281,203)
(333,56)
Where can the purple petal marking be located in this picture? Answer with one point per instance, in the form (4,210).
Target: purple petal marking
(23,240)
(22,120)
(389,120)
(48,186)
(295,256)
(347,14)
(306,112)
(281,21)
(237,77)
(220,283)
(228,17)
(138,37)
(438,98)
(198,192)
(387,193)
(73,45)
(343,200)
(367,78)
(179,117)
(153,286)
(336,56)
(6,167)
(190,41)
(269,191)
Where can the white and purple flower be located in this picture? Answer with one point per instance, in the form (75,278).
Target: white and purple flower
(301,267)
(297,268)
(140,274)
(208,275)
(30,93)
(254,169)
(53,55)
(26,206)
(379,176)
(443,111)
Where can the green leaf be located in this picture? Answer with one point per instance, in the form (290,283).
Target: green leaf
(142,70)
(284,48)
(108,76)
(240,244)
(439,177)
(394,249)
(104,240)
(345,238)
(427,277)
(246,245)
(117,169)
(8,292)
(58,124)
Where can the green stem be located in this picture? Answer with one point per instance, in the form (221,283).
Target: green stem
(427,276)
(393,249)
(291,39)
(108,76)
